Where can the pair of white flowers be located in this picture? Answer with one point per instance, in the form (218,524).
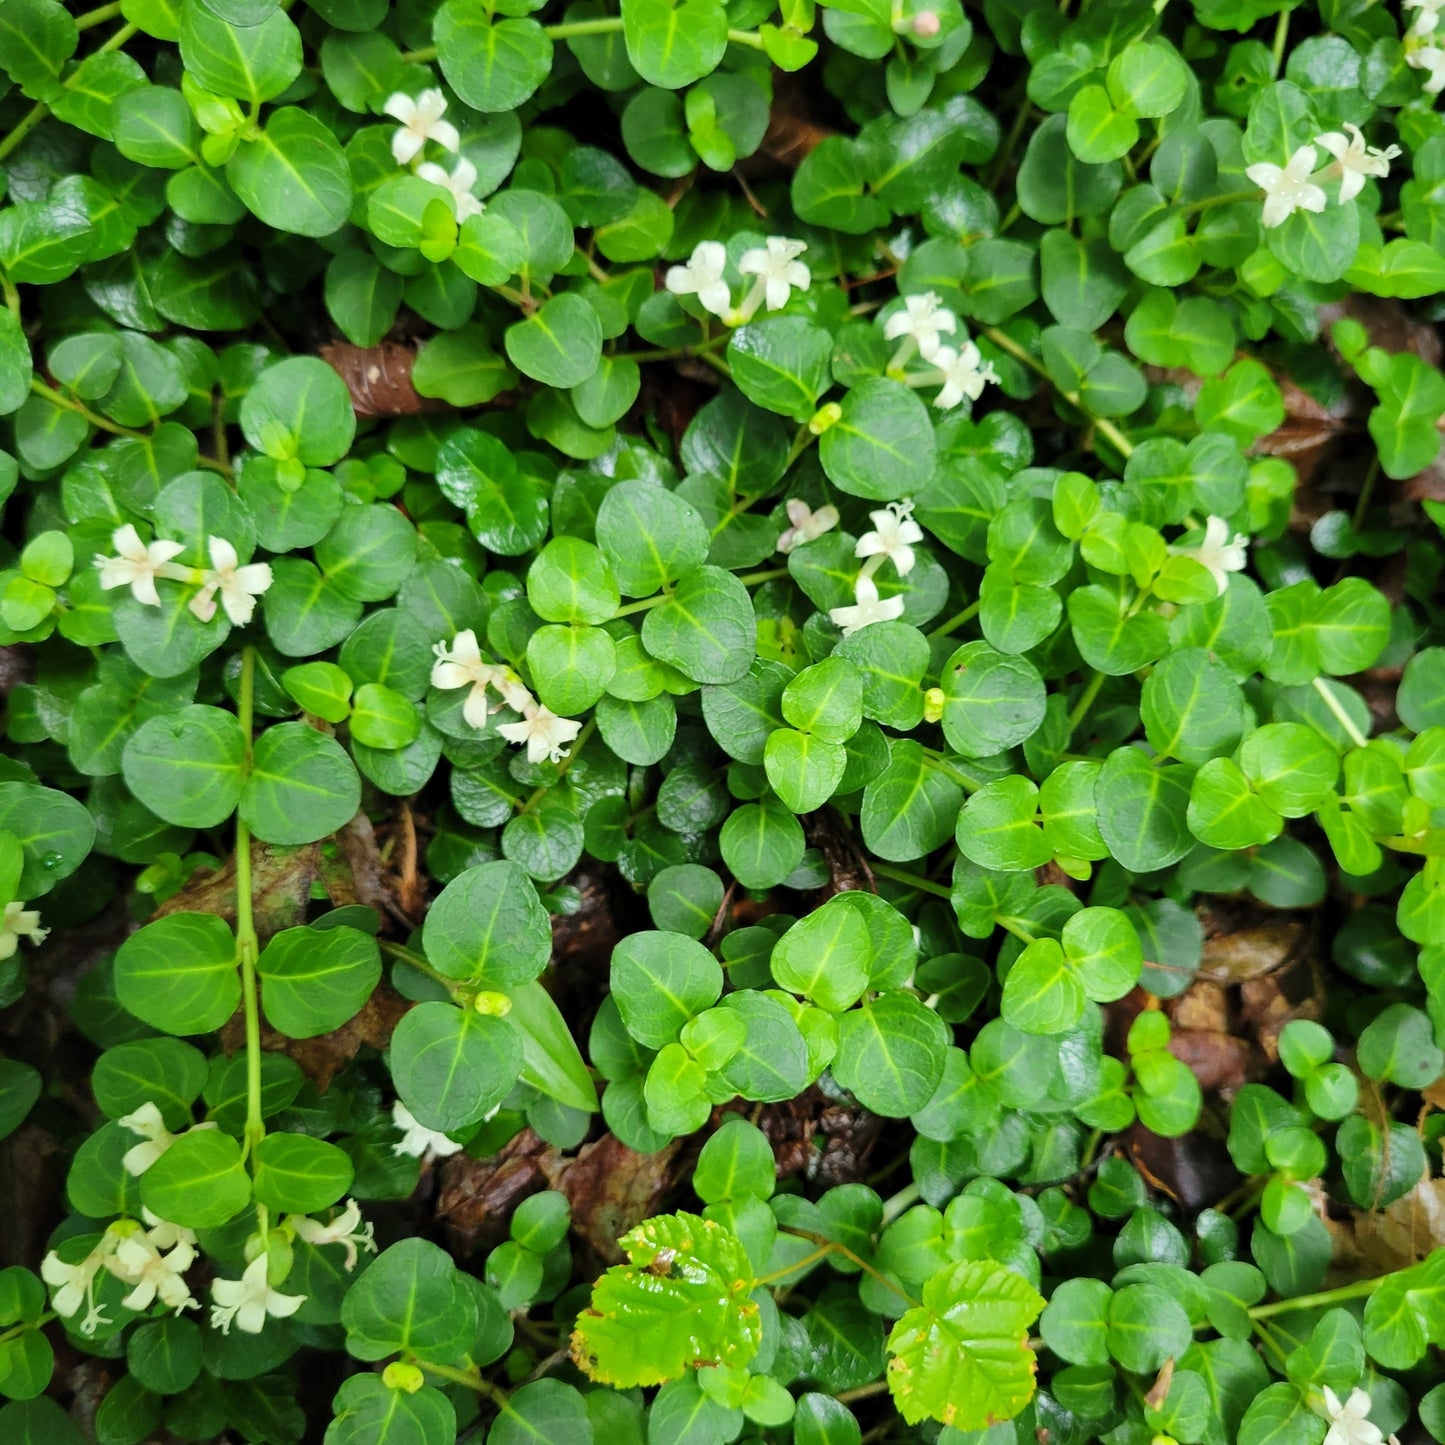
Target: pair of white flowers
(891,540)
(249,1301)
(421,121)
(919,328)
(775,267)
(152,1261)
(139,566)
(1295,186)
(19,922)
(1422,50)
(460,664)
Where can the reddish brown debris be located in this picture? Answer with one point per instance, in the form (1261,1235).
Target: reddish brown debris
(378,378)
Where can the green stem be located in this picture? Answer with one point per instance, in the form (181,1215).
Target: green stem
(1358,1290)
(23,127)
(1341,716)
(471,1379)
(71,404)
(832,1246)
(21,1328)
(1019,932)
(416,961)
(957,620)
(750,38)
(1281,37)
(748,579)
(97,17)
(906,1198)
(822,1252)
(246,946)
(12,295)
(911,880)
(1085,702)
(1100,424)
(669,353)
(1229,198)
(1362,503)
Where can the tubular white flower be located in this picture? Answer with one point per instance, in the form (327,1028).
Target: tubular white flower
(1432,59)
(922,322)
(1218,552)
(1349,1422)
(155,1276)
(165,1235)
(20,922)
(1354,160)
(964,373)
(342,1230)
(462,665)
(545,734)
(1288,188)
(1428,20)
(238,586)
(868,609)
(147,1122)
(137,565)
(458,184)
(807,525)
(703,277)
(894,531)
(421,121)
(246,1302)
(73,1285)
(417,1140)
(779,273)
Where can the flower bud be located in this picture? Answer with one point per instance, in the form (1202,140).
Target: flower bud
(497,1005)
(933,704)
(926,25)
(400,1376)
(825,417)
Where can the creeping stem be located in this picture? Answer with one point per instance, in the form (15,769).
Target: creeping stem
(246,946)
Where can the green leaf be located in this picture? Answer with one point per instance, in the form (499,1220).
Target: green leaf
(249,62)
(705,628)
(672,45)
(179,973)
(188,766)
(1142,808)
(782,364)
(682,1300)
(199,1182)
(494,65)
(453,1066)
(962,1356)
(299,1174)
(825,956)
(410,1297)
(302,786)
(891,1052)
(315,980)
(560,344)
(882,447)
(649,536)
(991,700)
(293,175)
(660,981)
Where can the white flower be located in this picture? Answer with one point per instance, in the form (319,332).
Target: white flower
(894,530)
(869,609)
(1431,58)
(1349,1423)
(964,373)
(165,1235)
(155,1276)
(1355,160)
(247,1301)
(417,1140)
(137,566)
(342,1230)
(239,586)
(421,121)
(807,524)
(459,184)
(73,1285)
(147,1122)
(1218,552)
(778,270)
(462,665)
(1288,188)
(20,922)
(922,320)
(545,734)
(703,277)
(1428,19)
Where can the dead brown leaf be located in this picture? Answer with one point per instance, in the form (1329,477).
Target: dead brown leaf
(478,1195)
(611,1188)
(379,378)
(829,1143)
(281,880)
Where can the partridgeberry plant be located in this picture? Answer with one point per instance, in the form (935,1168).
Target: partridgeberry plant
(725,722)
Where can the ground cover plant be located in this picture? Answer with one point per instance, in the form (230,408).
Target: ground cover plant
(723,722)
